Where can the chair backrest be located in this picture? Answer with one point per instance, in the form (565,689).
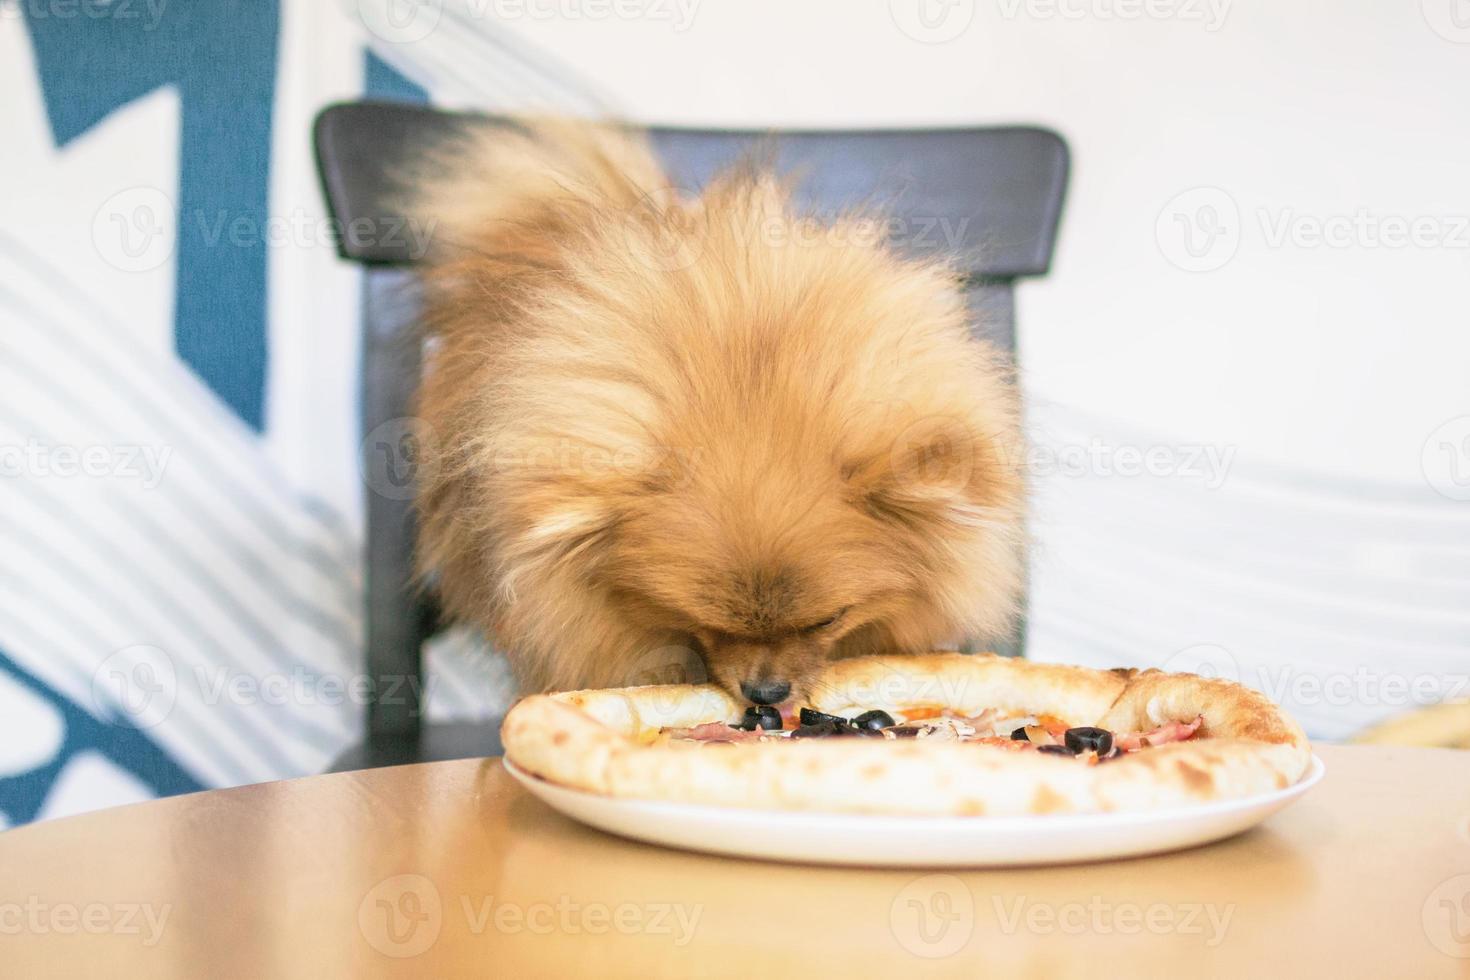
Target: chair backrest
(990,197)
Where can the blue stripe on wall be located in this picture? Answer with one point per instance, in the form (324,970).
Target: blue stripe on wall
(221,56)
(381,80)
(22,796)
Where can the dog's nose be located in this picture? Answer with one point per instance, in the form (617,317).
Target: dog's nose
(765,692)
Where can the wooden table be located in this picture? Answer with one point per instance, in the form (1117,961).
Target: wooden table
(451,870)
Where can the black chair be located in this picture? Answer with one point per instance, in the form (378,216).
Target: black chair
(991,195)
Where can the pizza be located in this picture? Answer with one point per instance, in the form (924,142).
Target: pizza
(942,734)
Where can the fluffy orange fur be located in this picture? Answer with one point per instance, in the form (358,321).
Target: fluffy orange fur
(666,423)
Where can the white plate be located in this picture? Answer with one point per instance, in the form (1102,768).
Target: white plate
(881,841)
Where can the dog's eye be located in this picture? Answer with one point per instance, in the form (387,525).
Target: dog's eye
(826,623)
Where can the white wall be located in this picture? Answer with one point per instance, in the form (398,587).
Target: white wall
(1340,360)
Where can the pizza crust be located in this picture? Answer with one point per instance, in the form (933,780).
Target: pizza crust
(596,741)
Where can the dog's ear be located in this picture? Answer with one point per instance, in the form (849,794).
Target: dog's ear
(571,529)
(570,537)
(938,471)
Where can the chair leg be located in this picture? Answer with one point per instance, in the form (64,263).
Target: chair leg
(398,616)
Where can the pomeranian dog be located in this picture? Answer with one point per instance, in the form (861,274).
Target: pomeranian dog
(664,423)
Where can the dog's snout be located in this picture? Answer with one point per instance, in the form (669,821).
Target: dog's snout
(765,691)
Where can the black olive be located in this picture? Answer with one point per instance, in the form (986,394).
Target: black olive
(767,717)
(747,723)
(1055,750)
(822,729)
(905,731)
(1019,735)
(1098,740)
(873,720)
(811,716)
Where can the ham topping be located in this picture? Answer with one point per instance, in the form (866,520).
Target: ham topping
(1171,731)
(714,731)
